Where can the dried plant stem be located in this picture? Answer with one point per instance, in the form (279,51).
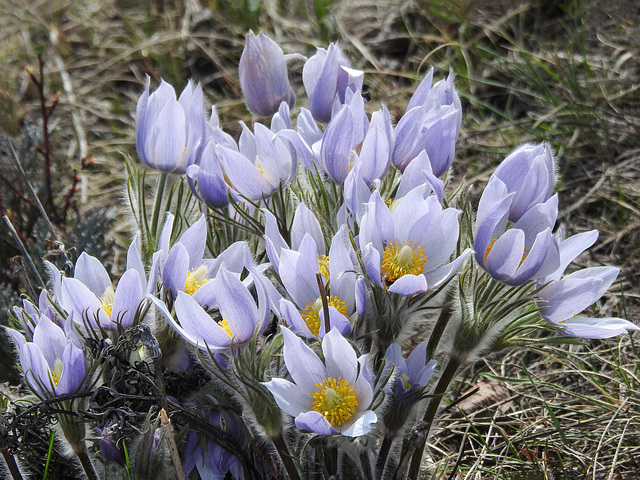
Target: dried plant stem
(171,444)
(25,254)
(36,200)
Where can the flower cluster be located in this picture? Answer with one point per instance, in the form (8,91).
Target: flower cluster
(308,281)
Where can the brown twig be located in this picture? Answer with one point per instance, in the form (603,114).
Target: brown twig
(45,149)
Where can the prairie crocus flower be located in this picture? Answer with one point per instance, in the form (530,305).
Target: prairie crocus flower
(375,153)
(262,165)
(170,132)
(564,300)
(304,223)
(206,178)
(209,458)
(299,274)
(263,76)
(28,316)
(529,173)
(90,295)
(517,253)
(404,249)
(326,76)
(412,376)
(330,396)
(414,372)
(239,318)
(52,363)
(432,123)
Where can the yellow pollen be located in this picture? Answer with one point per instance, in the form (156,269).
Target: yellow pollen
(399,260)
(323,264)
(225,326)
(56,373)
(106,300)
(488,250)
(195,279)
(311,313)
(335,399)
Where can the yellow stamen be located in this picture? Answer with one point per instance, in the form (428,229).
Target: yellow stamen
(107,300)
(311,313)
(399,260)
(225,326)
(488,250)
(56,373)
(195,279)
(323,264)
(335,399)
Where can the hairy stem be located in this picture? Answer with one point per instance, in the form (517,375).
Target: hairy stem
(443,384)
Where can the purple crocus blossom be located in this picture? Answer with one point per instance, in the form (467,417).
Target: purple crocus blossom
(432,123)
(304,223)
(52,363)
(28,316)
(263,76)
(240,317)
(263,164)
(209,458)
(563,300)
(185,270)
(405,249)
(326,76)
(330,396)
(414,372)
(520,252)
(91,298)
(206,176)
(170,132)
(298,272)
(529,173)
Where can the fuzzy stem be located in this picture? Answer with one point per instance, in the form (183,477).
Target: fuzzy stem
(383,453)
(157,205)
(85,461)
(438,330)
(443,384)
(285,456)
(11,464)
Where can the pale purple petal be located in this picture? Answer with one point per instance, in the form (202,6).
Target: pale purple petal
(291,399)
(304,366)
(315,422)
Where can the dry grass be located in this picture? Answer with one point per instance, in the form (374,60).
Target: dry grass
(564,72)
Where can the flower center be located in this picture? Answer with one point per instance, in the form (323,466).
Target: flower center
(225,326)
(56,373)
(399,260)
(323,264)
(311,313)
(195,279)
(335,399)
(106,300)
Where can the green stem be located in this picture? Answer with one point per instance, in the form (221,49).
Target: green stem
(157,206)
(443,384)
